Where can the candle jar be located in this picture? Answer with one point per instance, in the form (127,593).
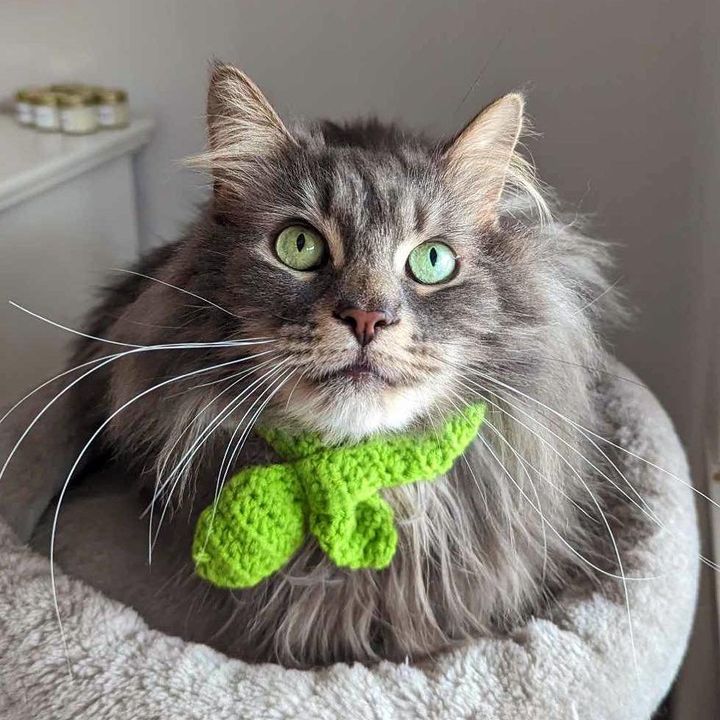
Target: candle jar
(46,112)
(78,113)
(112,108)
(24,107)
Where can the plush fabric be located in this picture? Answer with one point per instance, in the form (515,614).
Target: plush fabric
(262,516)
(576,661)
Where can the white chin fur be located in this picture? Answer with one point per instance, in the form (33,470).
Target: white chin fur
(351,414)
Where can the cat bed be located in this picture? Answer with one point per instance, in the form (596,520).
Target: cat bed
(577,661)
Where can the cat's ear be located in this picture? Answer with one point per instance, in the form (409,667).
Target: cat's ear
(480,157)
(241,122)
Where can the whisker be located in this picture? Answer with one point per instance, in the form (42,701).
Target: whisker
(523,465)
(219,419)
(106,361)
(238,447)
(52,380)
(78,459)
(537,497)
(237,377)
(179,289)
(228,457)
(221,343)
(703,558)
(598,297)
(644,508)
(295,386)
(623,578)
(226,378)
(527,463)
(550,525)
(225,413)
(572,469)
(648,510)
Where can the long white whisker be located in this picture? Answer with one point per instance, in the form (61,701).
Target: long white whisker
(228,456)
(537,499)
(542,476)
(221,343)
(572,469)
(238,448)
(179,289)
(241,442)
(605,440)
(218,420)
(586,431)
(647,509)
(295,386)
(52,380)
(534,489)
(590,303)
(236,378)
(78,459)
(622,577)
(549,524)
(187,458)
(705,560)
(595,501)
(108,359)
(643,508)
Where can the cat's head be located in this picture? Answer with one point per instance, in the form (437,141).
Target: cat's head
(385,267)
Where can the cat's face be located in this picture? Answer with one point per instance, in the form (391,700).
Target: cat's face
(369,258)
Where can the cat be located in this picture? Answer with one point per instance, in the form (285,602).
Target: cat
(358,279)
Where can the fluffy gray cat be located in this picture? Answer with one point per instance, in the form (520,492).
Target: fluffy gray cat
(358,279)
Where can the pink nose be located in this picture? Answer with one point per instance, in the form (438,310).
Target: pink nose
(364,323)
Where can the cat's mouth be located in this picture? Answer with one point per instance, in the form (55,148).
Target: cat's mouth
(359,372)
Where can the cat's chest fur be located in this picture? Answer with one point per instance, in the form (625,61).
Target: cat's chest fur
(311,612)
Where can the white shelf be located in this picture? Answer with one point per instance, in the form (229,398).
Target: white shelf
(32,162)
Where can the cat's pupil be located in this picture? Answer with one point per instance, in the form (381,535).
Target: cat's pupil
(300,242)
(433,256)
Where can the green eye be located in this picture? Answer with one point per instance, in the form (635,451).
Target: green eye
(432,263)
(300,248)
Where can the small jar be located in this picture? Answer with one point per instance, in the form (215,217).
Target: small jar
(23,107)
(46,112)
(112,108)
(78,113)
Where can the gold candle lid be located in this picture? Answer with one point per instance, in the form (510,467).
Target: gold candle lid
(45,97)
(26,94)
(76,99)
(111,96)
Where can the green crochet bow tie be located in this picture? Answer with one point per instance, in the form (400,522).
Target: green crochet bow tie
(263,515)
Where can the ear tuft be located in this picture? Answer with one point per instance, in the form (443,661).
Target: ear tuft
(240,119)
(480,157)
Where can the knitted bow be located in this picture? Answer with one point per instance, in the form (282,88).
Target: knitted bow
(262,516)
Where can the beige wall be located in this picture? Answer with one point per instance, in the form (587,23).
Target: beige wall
(614,88)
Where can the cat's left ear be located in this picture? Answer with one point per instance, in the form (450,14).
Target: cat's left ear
(480,157)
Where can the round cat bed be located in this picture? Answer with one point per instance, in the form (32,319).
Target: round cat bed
(577,661)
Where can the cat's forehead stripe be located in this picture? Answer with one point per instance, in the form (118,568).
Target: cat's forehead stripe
(369,204)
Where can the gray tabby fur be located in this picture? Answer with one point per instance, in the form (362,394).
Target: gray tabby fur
(518,517)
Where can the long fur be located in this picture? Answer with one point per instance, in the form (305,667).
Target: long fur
(519,515)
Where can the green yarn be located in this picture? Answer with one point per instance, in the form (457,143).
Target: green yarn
(263,515)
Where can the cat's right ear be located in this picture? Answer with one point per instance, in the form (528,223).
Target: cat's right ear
(242,128)
(480,159)
(241,122)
